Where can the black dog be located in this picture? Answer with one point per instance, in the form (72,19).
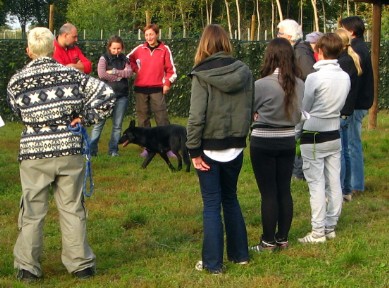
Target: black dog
(160,139)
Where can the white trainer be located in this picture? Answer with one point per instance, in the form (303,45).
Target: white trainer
(313,238)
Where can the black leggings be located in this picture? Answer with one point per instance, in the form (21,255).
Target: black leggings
(273,172)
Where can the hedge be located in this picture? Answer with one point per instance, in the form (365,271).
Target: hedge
(14,58)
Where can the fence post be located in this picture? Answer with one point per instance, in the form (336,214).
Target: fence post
(170,32)
(265,35)
(160,33)
(248,34)
(101,34)
(119,32)
(84,34)
(139,34)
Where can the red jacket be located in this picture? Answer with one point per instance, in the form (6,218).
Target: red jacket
(71,55)
(153,68)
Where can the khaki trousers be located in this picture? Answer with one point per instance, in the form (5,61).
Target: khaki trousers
(65,175)
(145,104)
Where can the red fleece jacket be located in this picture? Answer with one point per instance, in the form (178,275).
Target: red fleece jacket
(66,56)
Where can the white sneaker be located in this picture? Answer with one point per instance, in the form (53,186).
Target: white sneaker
(348,197)
(199,266)
(330,234)
(313,237)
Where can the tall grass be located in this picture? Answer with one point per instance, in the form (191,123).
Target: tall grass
(145,226)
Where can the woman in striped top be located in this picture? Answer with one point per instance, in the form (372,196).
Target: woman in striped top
(277,109)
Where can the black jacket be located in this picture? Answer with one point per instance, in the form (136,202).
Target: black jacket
(118,62)
(347,64)
(304,56)
(365,95)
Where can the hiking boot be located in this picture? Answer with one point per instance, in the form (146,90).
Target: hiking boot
(200,267)
(264,246)
(313,237)
(86,273)
(114,154)
(26,276)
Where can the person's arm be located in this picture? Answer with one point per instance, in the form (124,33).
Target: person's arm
(197,118)
(83,64)
(170,70)
(99,100)
(132,59)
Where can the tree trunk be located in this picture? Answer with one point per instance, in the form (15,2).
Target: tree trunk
(375,53)
(238,15)
(316,27)
(259,21)
(272,18)
(279,10)
(324,17)
(301,13)
(228,18)
(183,19)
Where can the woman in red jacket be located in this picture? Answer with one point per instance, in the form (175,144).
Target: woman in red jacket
(153,64)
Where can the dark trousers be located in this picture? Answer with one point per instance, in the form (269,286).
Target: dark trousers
(273,172)
(218,190)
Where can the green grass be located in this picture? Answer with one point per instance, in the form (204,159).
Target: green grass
(145,226)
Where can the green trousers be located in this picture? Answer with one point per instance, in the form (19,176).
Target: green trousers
(64,175)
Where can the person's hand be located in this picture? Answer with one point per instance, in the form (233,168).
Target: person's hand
(198,163)
(75,121)
(255,116)
(166,89)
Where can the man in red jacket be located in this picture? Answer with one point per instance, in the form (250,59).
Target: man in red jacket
(67,53)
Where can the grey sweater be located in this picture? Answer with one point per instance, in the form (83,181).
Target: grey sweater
(269,102)
(325,93)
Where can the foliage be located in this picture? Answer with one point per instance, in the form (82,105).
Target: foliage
(183,51)
(89,14)
(145,226)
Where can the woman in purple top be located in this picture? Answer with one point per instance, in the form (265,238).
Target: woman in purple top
(114,69)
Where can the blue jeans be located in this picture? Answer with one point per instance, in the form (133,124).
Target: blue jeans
(218,189)
(356,151)
(345,171)
(119,110)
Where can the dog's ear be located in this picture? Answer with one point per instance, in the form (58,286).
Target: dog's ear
(132,124)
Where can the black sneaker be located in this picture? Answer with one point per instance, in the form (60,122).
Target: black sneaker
(86,273)
(26,276)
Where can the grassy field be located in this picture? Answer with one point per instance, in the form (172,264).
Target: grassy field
(145,226)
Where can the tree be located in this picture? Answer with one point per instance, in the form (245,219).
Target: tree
(23,10)
(238,17)
(228,17)
(93,16)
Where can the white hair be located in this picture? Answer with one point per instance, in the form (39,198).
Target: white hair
(40,42)
(291,28)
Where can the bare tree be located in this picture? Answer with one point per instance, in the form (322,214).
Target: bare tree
(279,10)
(228,18)
(259,20)
(324,17)
(316,27)
(238,16)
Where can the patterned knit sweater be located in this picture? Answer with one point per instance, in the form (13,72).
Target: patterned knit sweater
(47,96)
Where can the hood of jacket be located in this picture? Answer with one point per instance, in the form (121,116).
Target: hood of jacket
(223,72)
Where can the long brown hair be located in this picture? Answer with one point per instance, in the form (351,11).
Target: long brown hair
(214,39)
(279,54)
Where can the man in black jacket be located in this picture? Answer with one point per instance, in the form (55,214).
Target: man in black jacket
(365,95)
